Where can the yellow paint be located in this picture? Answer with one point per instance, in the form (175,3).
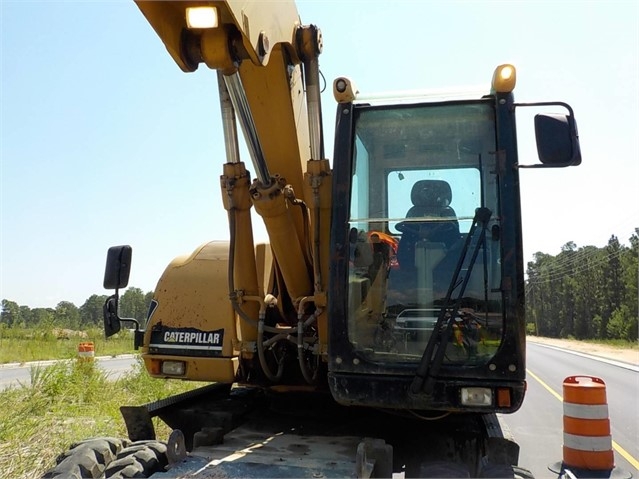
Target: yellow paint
(236,198)
(620,450)
(192,293)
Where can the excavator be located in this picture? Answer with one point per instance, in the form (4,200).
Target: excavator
(380,330)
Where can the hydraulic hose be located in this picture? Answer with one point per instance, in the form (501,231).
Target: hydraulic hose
(262,357)
(259,325)
(301,327)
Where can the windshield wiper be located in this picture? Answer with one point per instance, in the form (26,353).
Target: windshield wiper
(430,364)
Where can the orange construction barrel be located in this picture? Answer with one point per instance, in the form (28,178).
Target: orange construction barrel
(587,446)
(86,351)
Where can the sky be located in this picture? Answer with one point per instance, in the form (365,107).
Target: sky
(105,141)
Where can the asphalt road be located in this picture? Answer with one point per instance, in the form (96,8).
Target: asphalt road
(538,425)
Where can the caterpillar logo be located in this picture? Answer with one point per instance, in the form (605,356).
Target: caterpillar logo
(185,341)
(192,338)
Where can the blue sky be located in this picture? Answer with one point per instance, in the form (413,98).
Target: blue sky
(105,141)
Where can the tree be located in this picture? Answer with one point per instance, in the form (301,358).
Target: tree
(43,317)
(132,304)
(621,325)
(148,297)
(67,315)
(26,317)
(91,310)
(630,265)
(586,292)
(11,314)
(614,273)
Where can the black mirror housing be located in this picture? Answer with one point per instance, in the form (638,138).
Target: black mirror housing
(557,140)
(118,267)
(112,323)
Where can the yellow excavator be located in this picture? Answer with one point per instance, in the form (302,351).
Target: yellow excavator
(381,328)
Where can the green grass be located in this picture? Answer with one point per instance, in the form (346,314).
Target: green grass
(23,345)
(67,402)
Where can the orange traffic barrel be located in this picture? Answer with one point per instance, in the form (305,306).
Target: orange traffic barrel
(587,446)
(86,351)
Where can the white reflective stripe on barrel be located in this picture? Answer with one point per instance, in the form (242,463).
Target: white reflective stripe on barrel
(586,411)
(588,443)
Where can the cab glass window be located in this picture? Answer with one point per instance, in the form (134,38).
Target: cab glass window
(419,174)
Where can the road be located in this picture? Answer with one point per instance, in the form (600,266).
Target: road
(16,374)
(538,425)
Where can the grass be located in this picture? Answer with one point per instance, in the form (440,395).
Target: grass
(67,402)
(615,343)
(23,345)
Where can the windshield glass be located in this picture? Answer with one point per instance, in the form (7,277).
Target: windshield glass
(419,173)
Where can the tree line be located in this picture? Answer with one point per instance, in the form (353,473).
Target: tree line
(585,293)
(134,303)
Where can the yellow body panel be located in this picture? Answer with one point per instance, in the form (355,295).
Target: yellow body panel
(192,299)
(192,295)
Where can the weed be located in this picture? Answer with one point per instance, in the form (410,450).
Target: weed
(67,402)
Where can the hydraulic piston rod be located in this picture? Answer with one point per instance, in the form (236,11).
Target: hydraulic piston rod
(228,121)
(309,44)
(240,103)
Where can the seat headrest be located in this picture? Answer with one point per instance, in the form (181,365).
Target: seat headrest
(429,193)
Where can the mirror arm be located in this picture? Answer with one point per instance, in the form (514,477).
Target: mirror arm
(548,103)
(138,334)
(541,165)
(571,117)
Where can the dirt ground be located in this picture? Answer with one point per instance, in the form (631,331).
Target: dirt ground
(628,355)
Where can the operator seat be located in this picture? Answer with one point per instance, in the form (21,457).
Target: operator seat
(431,200)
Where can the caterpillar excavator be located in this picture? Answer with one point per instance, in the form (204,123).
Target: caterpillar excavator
(381,329)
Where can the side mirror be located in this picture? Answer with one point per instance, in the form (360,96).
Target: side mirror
(116,276)
(557,140)
(556,136)
(112,323)
(118,267)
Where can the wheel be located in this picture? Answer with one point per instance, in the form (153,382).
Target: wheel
(87,459)
(505,471)
(110,458)
(140,459)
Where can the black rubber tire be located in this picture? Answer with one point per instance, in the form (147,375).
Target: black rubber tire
(87,459)
(522,473)
(503,471)
(139,459)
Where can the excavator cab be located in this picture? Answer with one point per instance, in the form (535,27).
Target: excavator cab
(428,239)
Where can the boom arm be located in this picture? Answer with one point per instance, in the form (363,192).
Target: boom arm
(258,41)
(259,49)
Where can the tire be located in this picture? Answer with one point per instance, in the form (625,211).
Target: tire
(87,459)
(140,459)
(109,457)
(505,471)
